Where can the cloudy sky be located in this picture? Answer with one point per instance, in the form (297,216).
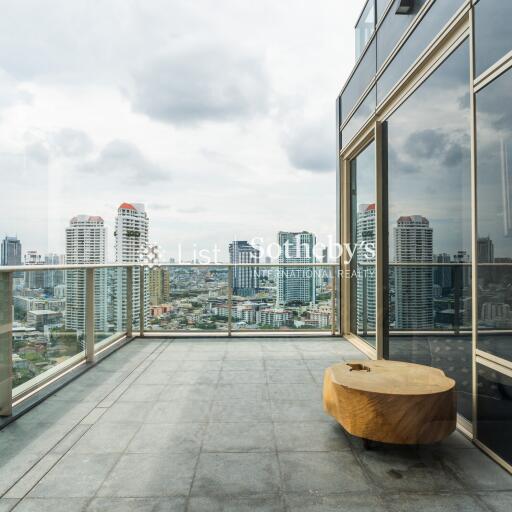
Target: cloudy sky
(218,115)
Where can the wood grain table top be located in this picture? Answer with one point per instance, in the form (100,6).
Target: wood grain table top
(391,378)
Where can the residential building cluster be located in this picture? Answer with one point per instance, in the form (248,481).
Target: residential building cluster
(49,306)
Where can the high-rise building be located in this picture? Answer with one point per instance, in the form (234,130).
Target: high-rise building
(296,284)
(245,279)
(413,239)
(159,282)
(34,280)
(54,278)
(131,242)
(485,250)
(443,274)
(10,252)
(366,297)
(85,244)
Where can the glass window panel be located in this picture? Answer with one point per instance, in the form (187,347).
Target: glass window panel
(381,7)
(45,333)
(493,35)
(359,82)
(365,27)
(494,406)
(362,182)
(494,185)
(432,23)
(361,115)
(429,192)
(392,29)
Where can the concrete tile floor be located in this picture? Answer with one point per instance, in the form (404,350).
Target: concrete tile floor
(206,425)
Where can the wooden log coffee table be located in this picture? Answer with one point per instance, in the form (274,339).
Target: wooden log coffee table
(391,401)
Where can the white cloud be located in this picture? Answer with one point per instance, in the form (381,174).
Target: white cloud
(234,99)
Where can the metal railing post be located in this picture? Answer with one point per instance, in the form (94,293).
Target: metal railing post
(333,301)
(89,315)
(129,302)
(457,280)
(365,303)
(6,320)
(230,300)
(141,300)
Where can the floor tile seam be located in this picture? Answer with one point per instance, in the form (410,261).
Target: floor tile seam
(59,458)
(130,374)
(304,360)
(54,445)
(279,467)
(200,451)
(49,451)
(119,457)
(374,484)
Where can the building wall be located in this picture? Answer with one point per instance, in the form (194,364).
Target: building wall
(245,279)
(131,239)
(85,243)
(417,85)
(296,284)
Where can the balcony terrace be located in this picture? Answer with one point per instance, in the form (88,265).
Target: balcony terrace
(211,424)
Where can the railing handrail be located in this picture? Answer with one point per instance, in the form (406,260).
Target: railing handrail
(80,266)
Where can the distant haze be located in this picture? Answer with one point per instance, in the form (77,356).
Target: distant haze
(217,115)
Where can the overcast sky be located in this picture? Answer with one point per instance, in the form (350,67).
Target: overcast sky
(218,115)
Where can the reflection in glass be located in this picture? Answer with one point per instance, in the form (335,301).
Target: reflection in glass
(431,24)
(362,183)
(381,7)
(365,110)
(494,185)
(493,36)
(392,29)
(429,185)
(494,406)
(359,81)
(365,27)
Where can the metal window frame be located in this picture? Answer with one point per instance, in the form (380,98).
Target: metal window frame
(459,28)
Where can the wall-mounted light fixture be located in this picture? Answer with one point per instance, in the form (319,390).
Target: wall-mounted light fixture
(404,6)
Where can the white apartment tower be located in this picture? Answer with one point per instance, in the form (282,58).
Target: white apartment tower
(413,239)
(366,305)
(85,243)
(131,238)
(296,284)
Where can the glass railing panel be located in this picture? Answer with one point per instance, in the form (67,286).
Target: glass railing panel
(282,299)
(109,303)
(49,323)
(188,299)
(430,321)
